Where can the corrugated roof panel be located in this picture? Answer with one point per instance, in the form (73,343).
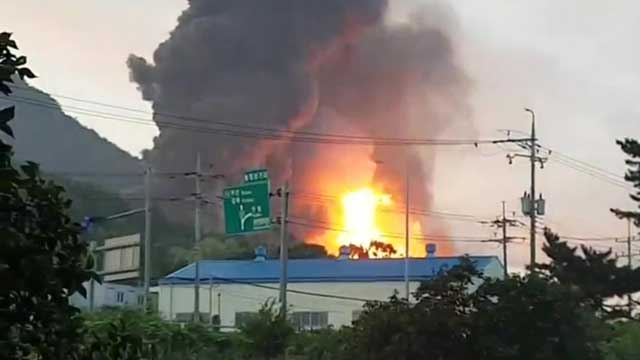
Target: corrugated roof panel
(319,270)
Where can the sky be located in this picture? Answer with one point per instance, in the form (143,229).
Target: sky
(573,61)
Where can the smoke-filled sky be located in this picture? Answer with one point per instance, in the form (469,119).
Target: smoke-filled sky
(573,62)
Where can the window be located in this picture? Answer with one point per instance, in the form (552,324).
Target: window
(120,297)
(310,320)
(140,299)
(243,317)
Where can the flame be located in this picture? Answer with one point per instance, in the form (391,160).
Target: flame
(359,216)
(356,208)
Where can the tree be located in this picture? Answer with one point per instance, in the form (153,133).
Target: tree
(631,147)
(462,315)
(437,326)
(42,259)
(267,334)
(377,249)
(594,276)
(533,317)
(302,250)
(625,343)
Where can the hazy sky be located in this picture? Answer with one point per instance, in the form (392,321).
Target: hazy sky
(574,61)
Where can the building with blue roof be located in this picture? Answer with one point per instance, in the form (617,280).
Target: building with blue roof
(321,292)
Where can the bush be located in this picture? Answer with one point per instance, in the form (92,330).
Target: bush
(130,334)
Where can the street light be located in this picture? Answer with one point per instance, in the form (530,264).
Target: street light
(532,230)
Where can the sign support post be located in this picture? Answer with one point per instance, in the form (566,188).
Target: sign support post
(284,248)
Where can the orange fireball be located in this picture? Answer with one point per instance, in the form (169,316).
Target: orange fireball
(359,216)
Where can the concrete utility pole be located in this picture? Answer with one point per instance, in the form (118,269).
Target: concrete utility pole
(504,241)
(503,223)
(219,307)
(147,237)
(532,230)
(197,235)
(210,301)
(406,232)
(628,241)
(531,206)
(92,283)
(629,244)
(284,251)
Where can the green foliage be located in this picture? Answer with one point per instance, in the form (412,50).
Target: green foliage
(129,334)
(437,326)
(631,148)
(267,335)
(533,317)
(594,277)
(625,344)
(10,65)
(325,344)
(42,259)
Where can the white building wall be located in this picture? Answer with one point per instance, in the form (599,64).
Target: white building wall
(174,299)
(107,294)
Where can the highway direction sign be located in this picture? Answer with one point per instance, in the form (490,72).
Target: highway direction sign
(246,207)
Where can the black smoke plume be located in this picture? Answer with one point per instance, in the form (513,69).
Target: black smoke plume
(327,66)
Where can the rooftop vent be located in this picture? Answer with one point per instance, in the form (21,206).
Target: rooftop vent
(261,253)
(344,252)
(431,250)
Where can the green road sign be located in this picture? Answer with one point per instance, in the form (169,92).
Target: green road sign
(256,175)
(246,207)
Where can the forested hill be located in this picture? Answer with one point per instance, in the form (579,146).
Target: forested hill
(59,143)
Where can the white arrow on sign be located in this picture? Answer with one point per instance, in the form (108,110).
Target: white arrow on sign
(243,217)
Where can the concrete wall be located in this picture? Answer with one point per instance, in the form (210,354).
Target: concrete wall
(174,299)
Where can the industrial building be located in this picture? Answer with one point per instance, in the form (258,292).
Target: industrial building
(321,292)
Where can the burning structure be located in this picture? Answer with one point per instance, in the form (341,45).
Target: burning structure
(260,83)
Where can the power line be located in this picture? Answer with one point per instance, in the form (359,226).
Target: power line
(592,173)
(433,238)
(588,169)
(325,198)
(90,174)
(583,163)
(301,292)
(596,239)
(260,133)
(196,119)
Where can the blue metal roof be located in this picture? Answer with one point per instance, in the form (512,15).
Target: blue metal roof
(318,270)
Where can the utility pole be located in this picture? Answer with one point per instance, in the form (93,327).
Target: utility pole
(284,251)
(92,283)
(210,301)
(504,241)
(531,206)
(628,241)
(219,307)
(197,235)
(406,232)
(629,298)
(629,244)
(147,237)
(504,223)
(532,230)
